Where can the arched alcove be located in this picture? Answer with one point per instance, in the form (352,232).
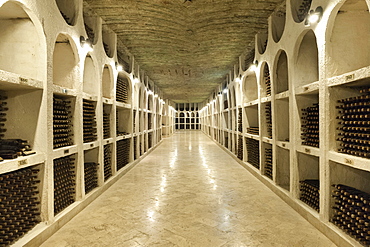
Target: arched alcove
(307,63)
(123,89)
(233,97)
(68,9)
(64,62)
(262,39)
(350,38)
(109,40)
(22,44)
(91,26)
(300,9)
(266,80)
(278,23)
(182,114)
(250,87)
(150,102)
(90,79)
(281,73)
(107,81)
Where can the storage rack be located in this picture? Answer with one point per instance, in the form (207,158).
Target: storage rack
(321,68)
(62,93)
(187,116)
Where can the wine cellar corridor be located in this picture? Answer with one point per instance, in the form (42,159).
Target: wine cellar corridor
(185,123)
(188,198)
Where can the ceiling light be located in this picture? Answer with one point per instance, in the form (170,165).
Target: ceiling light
(119,68)
(224,91)
(314,17)
(254,65)
(86,44)
(136,80)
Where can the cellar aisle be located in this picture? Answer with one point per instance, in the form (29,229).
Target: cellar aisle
(188,192)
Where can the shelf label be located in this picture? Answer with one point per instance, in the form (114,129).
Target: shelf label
(23,80)
(307,150)
(92,145)
(350,77)
(66,151)
(22,162)
(283,145)
(305,88)
(348,161)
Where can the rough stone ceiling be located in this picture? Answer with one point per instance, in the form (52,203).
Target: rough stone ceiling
(186,46)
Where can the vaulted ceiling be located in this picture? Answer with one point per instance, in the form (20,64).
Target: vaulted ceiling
(186,46)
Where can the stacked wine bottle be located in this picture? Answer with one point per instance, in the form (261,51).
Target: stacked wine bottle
(124,63)
(62,126)
(90,176)
(12,148)
(268,162)
(89,121)
(253,151)
(310,193)
(134,119)
(150,140)
(135,145)
(119,132)
(106,125)
(123,153)
(240,148)
(240,120)
(354,124)
(122,90)
(107,161)
(268,120)
(149,121)
(106,49)
(267,80)
(66,18)
(19,204)
(310,126)
(3,110)
(253,130)
(225,104)
(303,10)
(90,33)
(352,212)
(64,183)
(226,140)
(249,58)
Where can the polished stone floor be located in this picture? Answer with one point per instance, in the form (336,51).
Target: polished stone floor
(188,192)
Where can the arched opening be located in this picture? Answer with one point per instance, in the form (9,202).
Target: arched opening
(68,9)
(278,23)
(281,79)
(64,62)
(109,40)
(232,97)
(307,64)
(150,102)
(250,87)
(123,90)
(262,39)
(91,27)
(266,81)
(300,9)
(107,82)
(22,44)
(90,79)
(349,42)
